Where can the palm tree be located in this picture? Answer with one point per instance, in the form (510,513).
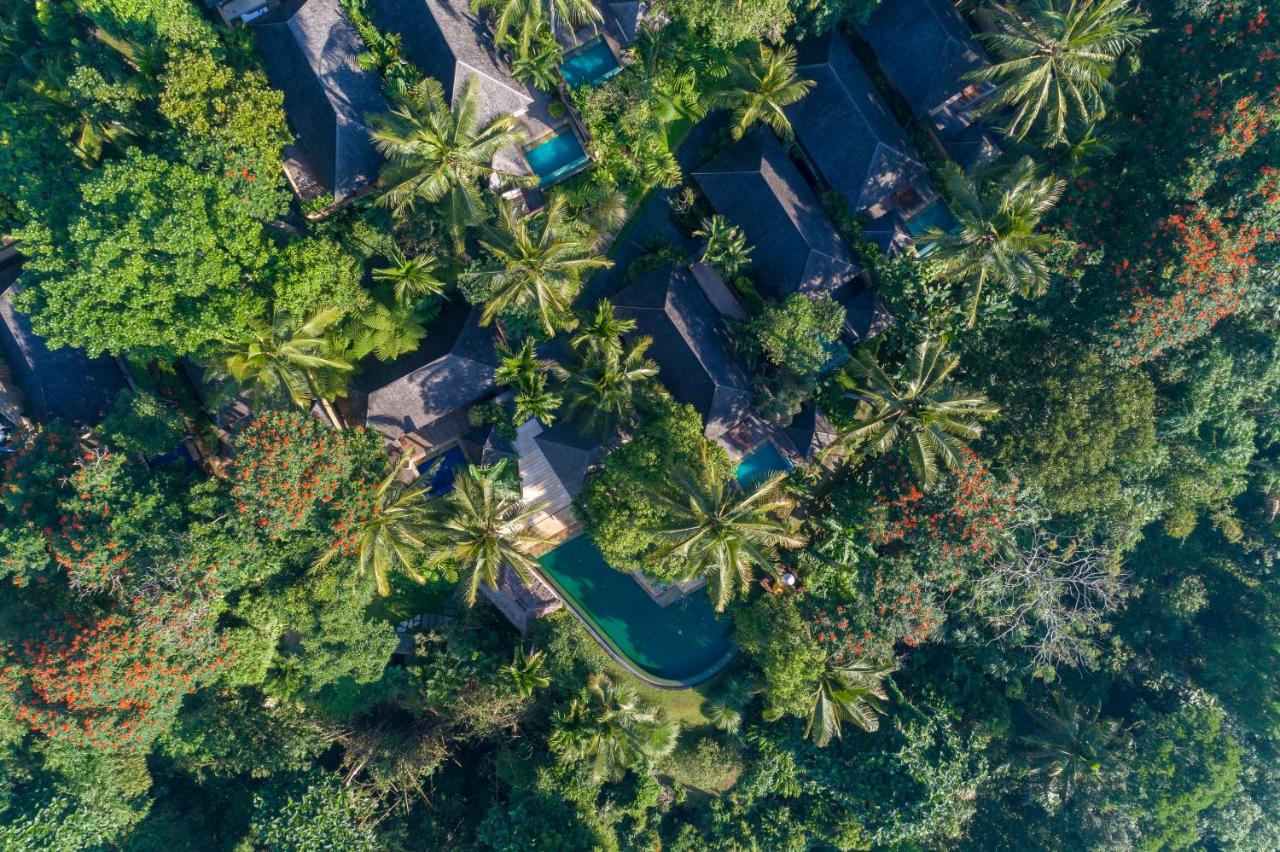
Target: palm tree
(1056,63)
(601,208)
(717,531)
(610,727)
(727,248)
(846,693)
(411,278)
(279,361)
(600,335)
(394,534)
(525,671)
(525,18)
(538,64)
(481,525)
(997,237)
(1072,745)
(534,400)
(538,263)
(524,371)
(758,88)
(440,155)
(934,417)
(602,390)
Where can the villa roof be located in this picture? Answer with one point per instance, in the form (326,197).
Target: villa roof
(866,314)
(846,129)
(310,52)
(629,17)
(446,40)
(925,48)
(755,185)
(810,431)
(691,345)
(59,384)
(570,454)
(453,369)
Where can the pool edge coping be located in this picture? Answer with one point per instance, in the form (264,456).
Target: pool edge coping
(620,657)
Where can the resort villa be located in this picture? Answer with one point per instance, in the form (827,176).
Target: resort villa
(423,403)
(926,49)
(310,52)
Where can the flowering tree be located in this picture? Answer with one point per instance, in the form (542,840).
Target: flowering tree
(292,474)
(112,681)
(927,545)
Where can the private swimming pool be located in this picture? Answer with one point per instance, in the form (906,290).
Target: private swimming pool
(673,647)
(760,464)
(442,478)
(590,62)
(555,157)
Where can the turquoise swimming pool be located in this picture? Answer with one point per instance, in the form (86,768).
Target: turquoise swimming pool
(935,215)
(679,645)
(555,157)
(590,62)
(760,463)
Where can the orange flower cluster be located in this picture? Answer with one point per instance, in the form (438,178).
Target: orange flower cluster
(110,684)
(1215,259)
(291,471)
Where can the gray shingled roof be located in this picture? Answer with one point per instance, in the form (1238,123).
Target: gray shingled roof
(629,16)
(691,345)
(309,51)
(846,129)
(754,184)
(810,430)
(447,41)
(865,314)
(570,454)
(925,48)
(452,370)
(59,384)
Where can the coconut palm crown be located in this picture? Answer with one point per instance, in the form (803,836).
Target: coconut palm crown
(393,534)
(720,532)
(1057,57)
(439,155)
(997,240)
(759,87)
(537,264)
(482,525)
(921,407)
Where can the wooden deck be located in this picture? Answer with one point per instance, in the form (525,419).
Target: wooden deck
(541,487)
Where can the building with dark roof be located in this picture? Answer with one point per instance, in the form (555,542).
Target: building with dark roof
(446,40)
(846,131)
(58,384)
(422,398)
(571,454)
(926,49)
(691,345)
(310,52)
(810,432)
(754,184)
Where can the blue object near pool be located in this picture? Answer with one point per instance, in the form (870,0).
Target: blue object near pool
(682,644)
(442,475)
(555,157)
(760,463)
(590,62)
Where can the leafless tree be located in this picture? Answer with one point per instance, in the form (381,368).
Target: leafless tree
(1050,596)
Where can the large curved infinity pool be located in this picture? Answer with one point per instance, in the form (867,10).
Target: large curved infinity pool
(679,645)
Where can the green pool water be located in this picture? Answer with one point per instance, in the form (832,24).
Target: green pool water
(556,157)
(759,464)
(681,644)
(589,63)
